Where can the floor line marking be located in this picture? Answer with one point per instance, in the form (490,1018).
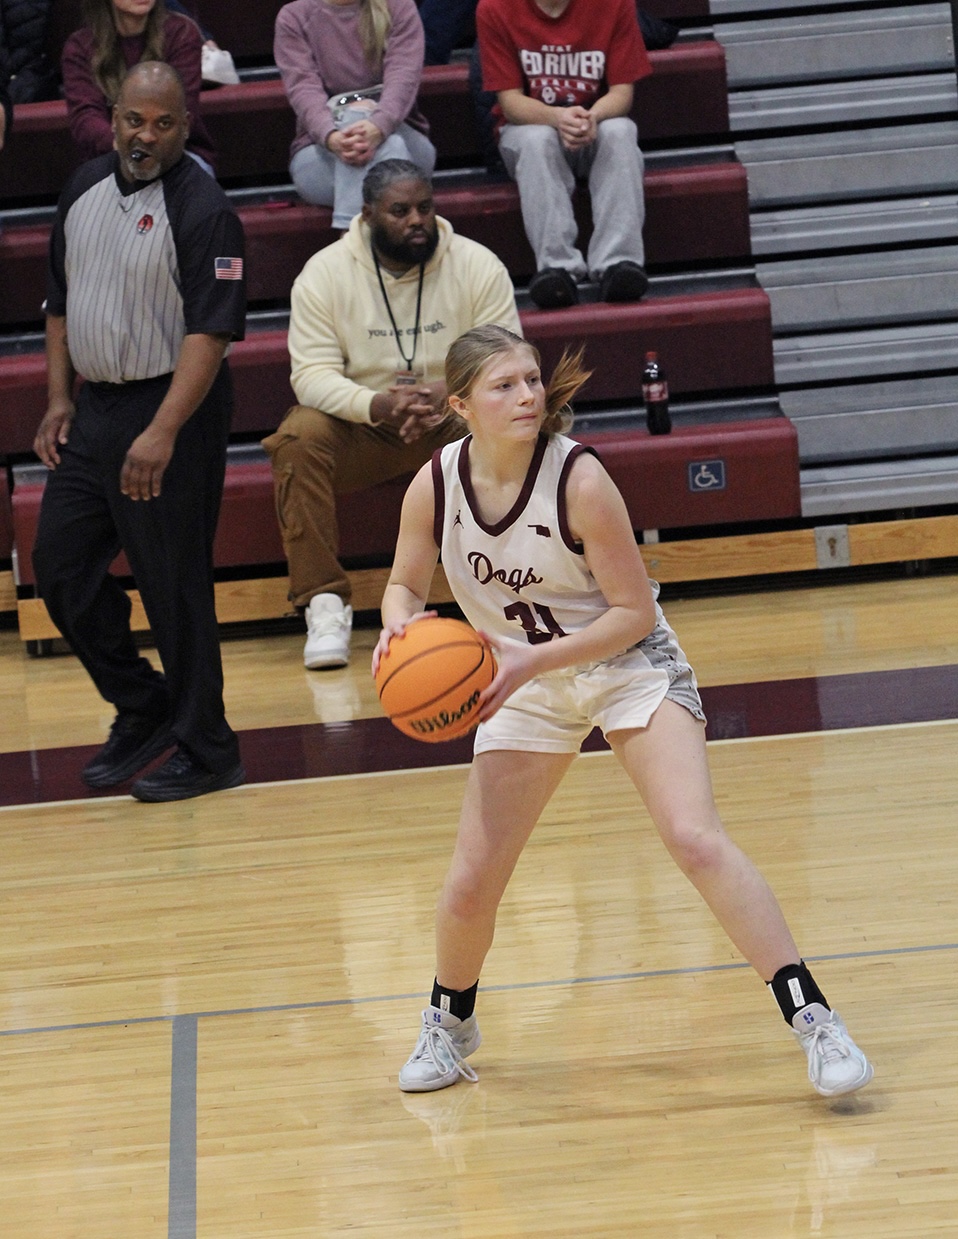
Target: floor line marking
(182,1197)
(86,802)
(599,979)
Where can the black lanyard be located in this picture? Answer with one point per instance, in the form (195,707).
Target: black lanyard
(415,339)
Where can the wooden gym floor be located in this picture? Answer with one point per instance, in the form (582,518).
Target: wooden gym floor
(204,1005)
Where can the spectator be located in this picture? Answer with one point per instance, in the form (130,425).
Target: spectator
(565,114)
(445,23)
(351,69)
(119,34)
(23,31)
(372,317)
(217,64)
(145,292)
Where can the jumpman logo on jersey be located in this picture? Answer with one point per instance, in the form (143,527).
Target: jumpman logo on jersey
(457,521)
(542,530)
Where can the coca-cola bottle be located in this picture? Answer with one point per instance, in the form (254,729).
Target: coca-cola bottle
(655,396)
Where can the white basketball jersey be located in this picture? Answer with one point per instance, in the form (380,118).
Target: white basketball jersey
(525,577)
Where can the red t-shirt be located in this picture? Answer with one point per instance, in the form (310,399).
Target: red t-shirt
(562,61)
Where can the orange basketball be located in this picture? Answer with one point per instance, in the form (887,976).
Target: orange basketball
(430,678)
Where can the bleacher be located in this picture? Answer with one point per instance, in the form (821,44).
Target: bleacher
(776,270)
(846,119)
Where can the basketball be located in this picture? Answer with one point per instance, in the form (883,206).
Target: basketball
(430,678)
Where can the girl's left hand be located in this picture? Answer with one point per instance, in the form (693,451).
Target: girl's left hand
(515,666)
(395,629)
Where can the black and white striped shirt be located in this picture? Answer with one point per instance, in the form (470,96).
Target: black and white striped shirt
(137,267)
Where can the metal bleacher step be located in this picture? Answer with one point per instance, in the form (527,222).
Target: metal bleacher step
(843,103)
(854,225)
(840,44)
(858,421)
(722,9)
(881,486)
(884,161)
(683,412)
(858,290)
(896,350)
(443,178)
(845,116)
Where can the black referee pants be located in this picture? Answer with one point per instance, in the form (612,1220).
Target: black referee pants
(85,521)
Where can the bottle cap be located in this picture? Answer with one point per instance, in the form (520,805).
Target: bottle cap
(651,356)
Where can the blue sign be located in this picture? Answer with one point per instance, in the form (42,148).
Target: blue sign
(706,475)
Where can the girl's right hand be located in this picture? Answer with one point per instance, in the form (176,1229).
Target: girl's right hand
(395,629)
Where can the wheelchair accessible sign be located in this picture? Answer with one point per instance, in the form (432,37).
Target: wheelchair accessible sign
(706,475)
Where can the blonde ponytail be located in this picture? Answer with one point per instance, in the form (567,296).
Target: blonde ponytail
(566,380)
(375,23)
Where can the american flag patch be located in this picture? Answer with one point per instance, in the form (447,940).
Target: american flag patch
(228,268)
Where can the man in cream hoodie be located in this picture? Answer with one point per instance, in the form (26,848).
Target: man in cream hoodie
(372,316)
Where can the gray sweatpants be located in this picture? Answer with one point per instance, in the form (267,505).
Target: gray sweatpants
(324,180)
(546,174)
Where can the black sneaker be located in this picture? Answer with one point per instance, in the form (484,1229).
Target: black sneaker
(134,740)
(181,777)
(623,281)
(552,288)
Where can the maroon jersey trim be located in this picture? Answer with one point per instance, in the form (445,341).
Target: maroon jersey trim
(522,499)
(439,491)
(564,531)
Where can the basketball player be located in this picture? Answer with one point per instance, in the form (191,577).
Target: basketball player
(581,641)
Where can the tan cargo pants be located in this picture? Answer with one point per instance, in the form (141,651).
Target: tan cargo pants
(316,457)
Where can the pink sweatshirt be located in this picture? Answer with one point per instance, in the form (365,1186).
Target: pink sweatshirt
(319,54)
(87,105)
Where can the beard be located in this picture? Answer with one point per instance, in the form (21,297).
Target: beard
(405,253)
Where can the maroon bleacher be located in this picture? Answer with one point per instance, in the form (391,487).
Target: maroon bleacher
(722,474)
(252,124)
(23,390)
(247,534)
(6,517)
(694,214)
(750,472)
(714,341)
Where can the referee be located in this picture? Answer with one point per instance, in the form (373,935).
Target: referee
(145,291)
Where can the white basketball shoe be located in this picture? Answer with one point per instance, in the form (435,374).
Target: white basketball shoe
(835,1063)
(329,623)
(439,1057)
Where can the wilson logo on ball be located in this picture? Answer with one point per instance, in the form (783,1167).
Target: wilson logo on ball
(444,720)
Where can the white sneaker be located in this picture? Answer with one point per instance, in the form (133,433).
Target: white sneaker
(328,624)
(437,1061)
(835,1063)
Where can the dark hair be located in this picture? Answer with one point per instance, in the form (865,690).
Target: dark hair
(467,356)
(385,173)
(109,67)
